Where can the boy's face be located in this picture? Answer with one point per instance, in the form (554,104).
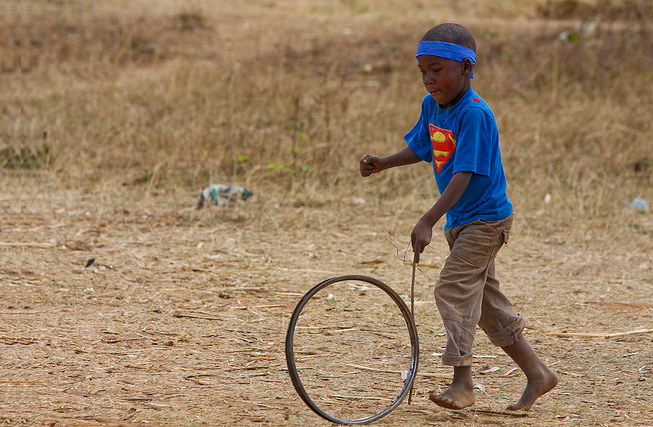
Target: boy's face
(445,79)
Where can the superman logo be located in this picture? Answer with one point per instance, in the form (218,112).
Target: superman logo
(444,145)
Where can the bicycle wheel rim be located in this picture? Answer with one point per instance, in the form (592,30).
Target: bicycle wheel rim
(414,344)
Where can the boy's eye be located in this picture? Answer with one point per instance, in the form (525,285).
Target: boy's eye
(433,70)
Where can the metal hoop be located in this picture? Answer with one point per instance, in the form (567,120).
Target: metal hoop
(414,345)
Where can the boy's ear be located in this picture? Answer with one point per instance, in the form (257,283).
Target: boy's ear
(467,66)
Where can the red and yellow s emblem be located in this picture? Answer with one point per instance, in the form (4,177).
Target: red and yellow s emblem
(444,145)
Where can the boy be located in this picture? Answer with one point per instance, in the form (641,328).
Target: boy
(457,132)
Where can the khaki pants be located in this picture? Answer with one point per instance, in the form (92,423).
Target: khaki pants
(467,293)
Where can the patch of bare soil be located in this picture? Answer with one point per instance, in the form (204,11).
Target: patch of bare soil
(119,309)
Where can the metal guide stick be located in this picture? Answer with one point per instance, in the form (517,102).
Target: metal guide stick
(412,315)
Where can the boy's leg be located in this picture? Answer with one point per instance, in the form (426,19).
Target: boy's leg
(503,327)
(460,288)
(540,378)
(499,320)
(459,296)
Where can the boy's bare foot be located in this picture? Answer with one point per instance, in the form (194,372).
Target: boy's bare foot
(540,378)
(455,397)
(460,393)
(536,386)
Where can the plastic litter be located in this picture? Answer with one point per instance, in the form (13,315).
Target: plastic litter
(639,204)
(221,195)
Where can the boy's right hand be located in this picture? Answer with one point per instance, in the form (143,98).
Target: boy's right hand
(369,165)
(420,238)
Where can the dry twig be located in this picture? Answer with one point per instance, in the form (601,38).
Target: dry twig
(28,245)
(190,316)
(508,413)
(598,334)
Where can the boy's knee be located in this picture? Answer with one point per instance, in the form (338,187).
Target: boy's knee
(503,335)
(437,292)
(441,292)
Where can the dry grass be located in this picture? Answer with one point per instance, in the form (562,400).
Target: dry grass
(190,95)
(115,114)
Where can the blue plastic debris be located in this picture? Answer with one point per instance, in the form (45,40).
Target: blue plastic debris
(220,195)
(639,204)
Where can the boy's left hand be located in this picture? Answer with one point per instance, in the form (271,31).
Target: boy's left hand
(420,238)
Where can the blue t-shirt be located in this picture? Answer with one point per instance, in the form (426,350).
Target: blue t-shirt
(463,138)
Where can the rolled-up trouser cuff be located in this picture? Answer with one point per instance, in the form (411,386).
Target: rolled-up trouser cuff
(509,334)
(465,360)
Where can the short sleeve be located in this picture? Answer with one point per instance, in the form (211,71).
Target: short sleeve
(418,138)
(474,143)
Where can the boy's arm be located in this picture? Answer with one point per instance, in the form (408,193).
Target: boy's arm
(423,230)
(373,164)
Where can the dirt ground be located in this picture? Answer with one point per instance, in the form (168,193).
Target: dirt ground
(181,318)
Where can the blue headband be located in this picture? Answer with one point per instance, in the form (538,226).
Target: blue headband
(446,50)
